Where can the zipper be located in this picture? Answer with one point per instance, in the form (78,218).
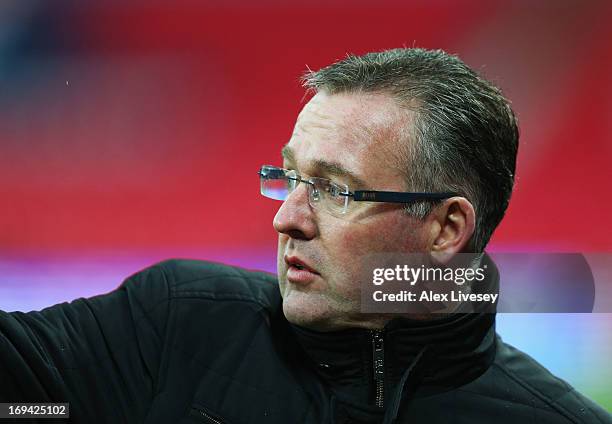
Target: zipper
(378,363)
(208,417)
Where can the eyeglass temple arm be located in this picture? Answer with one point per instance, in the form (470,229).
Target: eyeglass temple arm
(396,197)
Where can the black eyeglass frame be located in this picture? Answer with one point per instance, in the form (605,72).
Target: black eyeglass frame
(377,195)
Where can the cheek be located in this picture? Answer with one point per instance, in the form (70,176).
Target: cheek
(280,250)
(281,266)
(350,250)
(366,238)
(389,233)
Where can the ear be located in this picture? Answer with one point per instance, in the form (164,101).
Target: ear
(451,227)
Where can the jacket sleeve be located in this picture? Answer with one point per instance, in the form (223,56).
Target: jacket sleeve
(101,355)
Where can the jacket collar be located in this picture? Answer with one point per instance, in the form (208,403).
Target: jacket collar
(461,348)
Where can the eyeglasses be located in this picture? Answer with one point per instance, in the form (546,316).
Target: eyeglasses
(278,184)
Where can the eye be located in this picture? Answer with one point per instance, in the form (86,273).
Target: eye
(333,190)
(335,194)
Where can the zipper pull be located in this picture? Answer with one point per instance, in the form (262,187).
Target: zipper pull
(378,362)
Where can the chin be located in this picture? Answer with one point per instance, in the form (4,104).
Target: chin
(306,313)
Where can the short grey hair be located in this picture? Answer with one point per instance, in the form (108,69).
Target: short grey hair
(464,132)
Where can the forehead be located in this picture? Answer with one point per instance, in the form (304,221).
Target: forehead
(362,133)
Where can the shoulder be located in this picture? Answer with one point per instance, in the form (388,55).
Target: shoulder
(183,278)
(517,379)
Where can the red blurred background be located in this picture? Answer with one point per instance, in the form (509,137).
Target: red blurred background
(143,125)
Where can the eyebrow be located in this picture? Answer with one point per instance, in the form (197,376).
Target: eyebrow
(330,168)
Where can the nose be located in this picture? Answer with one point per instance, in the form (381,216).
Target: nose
(295,217)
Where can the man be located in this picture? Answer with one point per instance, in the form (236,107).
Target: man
(405,151)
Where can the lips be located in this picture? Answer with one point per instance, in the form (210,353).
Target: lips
(299,263)
(299,271)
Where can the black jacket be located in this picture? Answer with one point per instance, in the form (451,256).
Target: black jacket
(194,342)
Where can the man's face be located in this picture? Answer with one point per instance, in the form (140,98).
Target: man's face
(353,139)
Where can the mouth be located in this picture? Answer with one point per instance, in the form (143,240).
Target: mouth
(299,271)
